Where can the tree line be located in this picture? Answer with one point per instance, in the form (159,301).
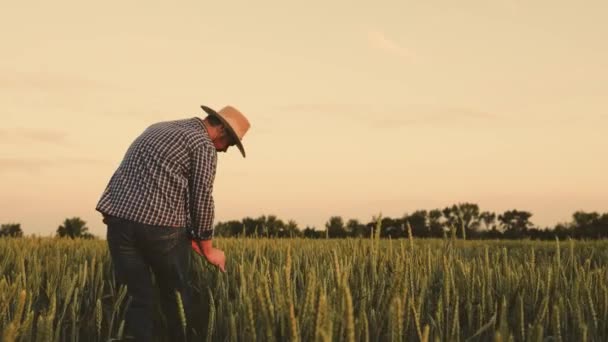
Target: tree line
(73,228)
(463,220)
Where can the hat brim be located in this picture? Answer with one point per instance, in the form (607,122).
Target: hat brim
(235,137)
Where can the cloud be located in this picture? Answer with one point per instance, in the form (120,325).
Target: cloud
(379,40)
(26,92)
(20,135)
(436,116)
(38,164)
(391,116)
(514,6)
(321,107)
(47,81)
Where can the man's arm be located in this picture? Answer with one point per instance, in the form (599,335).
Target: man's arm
(202,210)
(202,176)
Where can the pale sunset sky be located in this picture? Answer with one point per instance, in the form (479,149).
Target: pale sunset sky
(357,107)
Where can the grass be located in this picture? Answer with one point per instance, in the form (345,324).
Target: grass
(324,290)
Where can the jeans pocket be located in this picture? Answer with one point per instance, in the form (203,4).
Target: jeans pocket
(161,240)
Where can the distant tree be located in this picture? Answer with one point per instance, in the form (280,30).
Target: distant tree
(436,226)
(418,222)
(269,226)
(263,226)
(562,231)
(515,223)
(335,227)
(392,228)
(355,228)
(584,219)
(291,230)
(228,228)
(493,233)
(603,225)
(74,228)
(273,225)
(251,225)
(488,220)
(351,227)
(540,234)
(589,225)
(11,230)
(312,233)
(463,217)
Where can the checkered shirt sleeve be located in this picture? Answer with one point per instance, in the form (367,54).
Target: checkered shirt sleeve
(201,192)
(166,179)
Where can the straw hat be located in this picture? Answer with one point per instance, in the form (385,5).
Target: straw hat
(236,123)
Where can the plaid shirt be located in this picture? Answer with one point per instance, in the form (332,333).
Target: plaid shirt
(166,179)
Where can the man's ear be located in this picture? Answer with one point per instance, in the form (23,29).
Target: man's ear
(225,130)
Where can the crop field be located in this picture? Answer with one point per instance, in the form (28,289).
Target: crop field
(324,290)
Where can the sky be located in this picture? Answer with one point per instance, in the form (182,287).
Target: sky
(356,107)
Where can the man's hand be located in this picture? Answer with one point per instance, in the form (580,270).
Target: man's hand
(216,257)
(213,255)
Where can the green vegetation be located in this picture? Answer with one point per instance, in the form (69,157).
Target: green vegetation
(325,290)
(466,220)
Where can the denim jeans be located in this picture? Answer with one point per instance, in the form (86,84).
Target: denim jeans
(138,251)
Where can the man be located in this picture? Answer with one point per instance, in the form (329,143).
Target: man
(158,204)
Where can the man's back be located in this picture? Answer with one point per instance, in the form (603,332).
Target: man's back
(153,183)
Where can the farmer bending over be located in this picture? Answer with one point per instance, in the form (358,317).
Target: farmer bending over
(158,203)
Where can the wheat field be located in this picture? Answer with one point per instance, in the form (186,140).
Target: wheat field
(324,290)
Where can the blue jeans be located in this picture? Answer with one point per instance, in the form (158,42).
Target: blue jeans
(137,249)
